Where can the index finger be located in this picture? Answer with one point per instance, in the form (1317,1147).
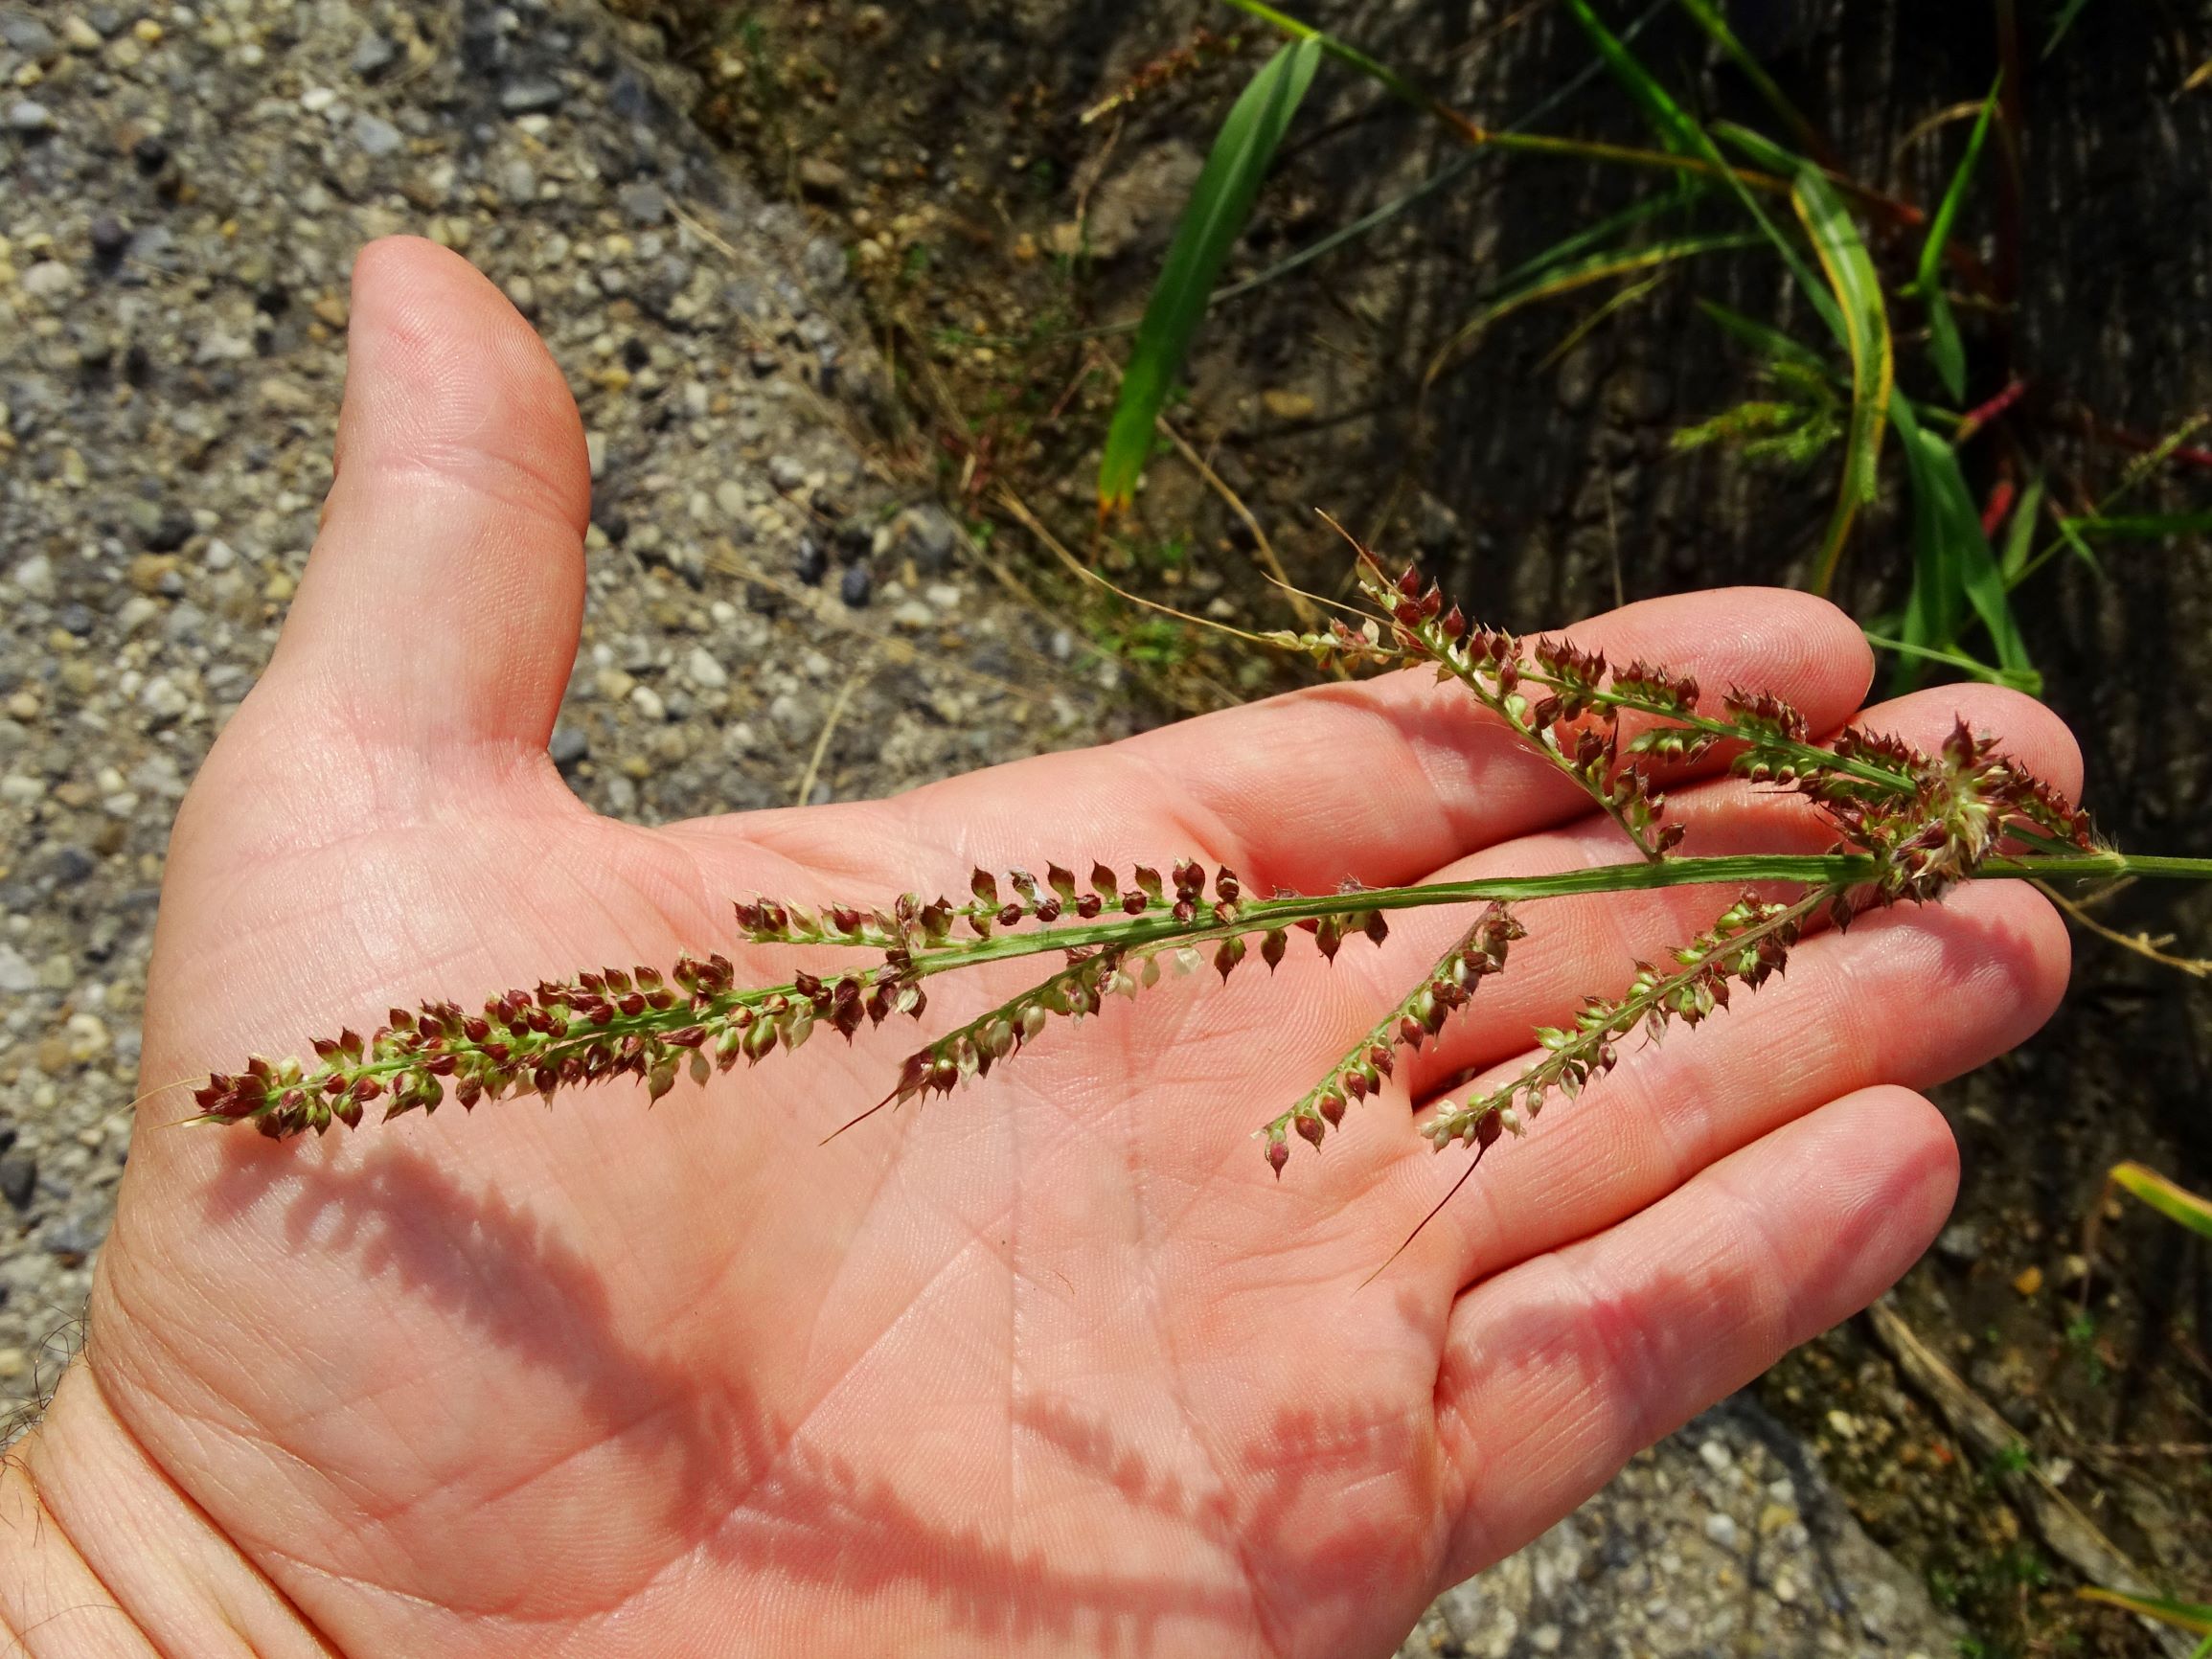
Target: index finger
(1381,781)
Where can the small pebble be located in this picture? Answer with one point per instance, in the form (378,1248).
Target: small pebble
(17,974)
(812,564)
(532,97)
(374,55)
(110,239)
(856,586)
(18,1179)
(27,35)
(49,280)
(645,202)
(1960,1243)
(703,671)
(377,136)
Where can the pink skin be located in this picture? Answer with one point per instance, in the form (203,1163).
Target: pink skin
(1051,1365)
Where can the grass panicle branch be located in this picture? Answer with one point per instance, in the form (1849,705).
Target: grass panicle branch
(1749,941)
(1421,1014)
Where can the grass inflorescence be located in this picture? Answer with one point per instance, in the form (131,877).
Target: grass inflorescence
(1908,824)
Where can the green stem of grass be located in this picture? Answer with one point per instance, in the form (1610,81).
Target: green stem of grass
(1158,930)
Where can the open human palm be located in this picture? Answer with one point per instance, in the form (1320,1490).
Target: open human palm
(1053,1364)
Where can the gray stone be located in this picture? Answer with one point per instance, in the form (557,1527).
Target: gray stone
(16,975)
(1136,210)
(35,576)
(518,183)
(645,202)
(374,55)
(76,1235)
(703,671)
(821,177)
(931,536)
(377,136)
(27,116)
(785,473)
(812,564)
(535,96)
(49,280)
(28,35)
(110,238)
(18,1178)
(856,587)
(1960,1244)
(568,746)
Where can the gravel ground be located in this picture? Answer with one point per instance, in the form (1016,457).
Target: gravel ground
(769,616)
(1721,1540)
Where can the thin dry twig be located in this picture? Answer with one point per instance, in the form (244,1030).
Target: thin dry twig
(2141,943)
(2166,1448)
(1308,616)
(829,730)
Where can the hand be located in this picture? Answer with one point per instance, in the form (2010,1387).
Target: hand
(1051,1364)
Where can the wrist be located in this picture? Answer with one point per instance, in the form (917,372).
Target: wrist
(101,1554)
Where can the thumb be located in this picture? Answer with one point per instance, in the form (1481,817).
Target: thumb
(439,612)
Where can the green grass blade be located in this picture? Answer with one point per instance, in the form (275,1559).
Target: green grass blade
(1764,152)
(1708,18)
(1619,300)
(1944,348)
(1553,281)
(1678,131)
(2070,534)
(2190,1615)
(2175,1203)
(2073,10)
(1761,337)
(1858,289)
(1602,234)
(1343,51)
(2140,526)
(2020,533)
(1953,570)
(1974,668)
(1450,173)
(1668,119)
(1220,207)
(1444,176)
